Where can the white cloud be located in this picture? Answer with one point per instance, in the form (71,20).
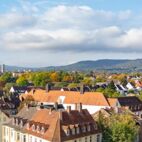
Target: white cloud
(70,28)
(15,20)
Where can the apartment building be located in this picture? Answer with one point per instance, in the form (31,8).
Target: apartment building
(47,125)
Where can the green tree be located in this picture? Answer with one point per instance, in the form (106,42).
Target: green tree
(111,85)
(6,77)
(118,128)
(8,86)
(40,79)
(72,85)
(87,81)
(22,81)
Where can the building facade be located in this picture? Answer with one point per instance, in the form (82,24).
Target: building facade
(46,125)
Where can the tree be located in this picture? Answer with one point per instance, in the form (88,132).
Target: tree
(61,84)
(6,77)
(87,81)
(54,77)
(111,85)
(72,85)
(8,86)
(67,78)
(118,128)
(40,79)
(22,81)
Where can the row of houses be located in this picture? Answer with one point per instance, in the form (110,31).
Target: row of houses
(61,115)
(124,90)
(34,124)
(92,101)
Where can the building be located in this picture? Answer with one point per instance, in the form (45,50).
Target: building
(7,110)
(47,125)
(4,117)
(3,68)
(18,89)
(132,103)
(93,101)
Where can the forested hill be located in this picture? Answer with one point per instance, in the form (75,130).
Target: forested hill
(104,65)
(99,65)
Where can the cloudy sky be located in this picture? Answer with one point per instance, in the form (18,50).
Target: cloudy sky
(58,32)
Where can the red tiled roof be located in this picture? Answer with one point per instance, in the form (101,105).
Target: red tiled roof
(71,97)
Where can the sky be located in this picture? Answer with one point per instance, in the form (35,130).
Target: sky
(38,33)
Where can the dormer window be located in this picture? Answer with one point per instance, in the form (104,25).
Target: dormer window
(38,129)
(33,127)
(83,129)
(42,130)
(67,131)
(77,130)
(73,131)
(95,126)
(21,123)
(88,128)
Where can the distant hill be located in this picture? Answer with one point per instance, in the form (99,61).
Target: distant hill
(99,65)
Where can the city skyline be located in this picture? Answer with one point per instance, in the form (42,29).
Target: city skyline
(43,33)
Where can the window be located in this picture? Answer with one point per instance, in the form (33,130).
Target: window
(77,130)
(73,131)
(7,131)
(18,136)
(4,130)
(24,138)
(67,132)
(83,129)
(30,138)
(85,139)
(33,127)
(42,130)
(88,128)
(90,138)
(21,123)
(98,138)
(95,126)
(11,133)
(38,129)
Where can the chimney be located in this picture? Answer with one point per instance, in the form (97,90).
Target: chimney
(33,91)
(68,109)
(76,106)
(80,107)
(56,106)
(47,87)
(82,89)
(41,106)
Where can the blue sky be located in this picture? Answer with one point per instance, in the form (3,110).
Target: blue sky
(58,32)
